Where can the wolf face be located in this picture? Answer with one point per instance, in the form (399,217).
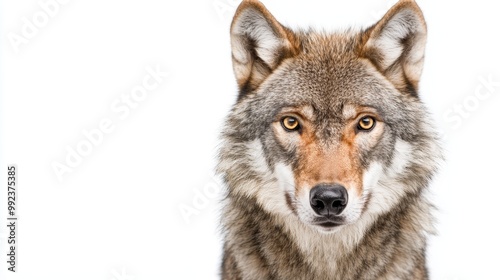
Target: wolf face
(327,128)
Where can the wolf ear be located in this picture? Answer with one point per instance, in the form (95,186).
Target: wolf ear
(259,44)
(396,45)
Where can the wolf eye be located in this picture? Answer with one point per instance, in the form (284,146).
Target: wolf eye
(290,124)
(366,123)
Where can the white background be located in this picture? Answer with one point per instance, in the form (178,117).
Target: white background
(116,214)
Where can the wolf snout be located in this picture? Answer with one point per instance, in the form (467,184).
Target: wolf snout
(328,199)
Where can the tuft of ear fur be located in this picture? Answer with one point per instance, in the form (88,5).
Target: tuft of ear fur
(259,44)
(396,45)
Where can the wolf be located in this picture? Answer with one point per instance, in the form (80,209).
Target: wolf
(328,151)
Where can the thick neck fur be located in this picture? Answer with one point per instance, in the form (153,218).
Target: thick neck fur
(272,246)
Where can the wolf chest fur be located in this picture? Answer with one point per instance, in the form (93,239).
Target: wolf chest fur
(328,151)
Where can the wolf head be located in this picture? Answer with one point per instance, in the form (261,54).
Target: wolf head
(327,127)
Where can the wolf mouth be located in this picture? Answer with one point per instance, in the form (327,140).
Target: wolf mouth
(328,223)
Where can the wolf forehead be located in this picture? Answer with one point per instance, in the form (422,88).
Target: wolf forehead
(327,80)
(328,87)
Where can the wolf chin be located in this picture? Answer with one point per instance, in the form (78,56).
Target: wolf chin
(328,152)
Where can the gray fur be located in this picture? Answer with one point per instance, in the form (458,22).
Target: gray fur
(329,73)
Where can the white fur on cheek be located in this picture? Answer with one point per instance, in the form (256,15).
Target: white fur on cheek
(371,178)
(382,184)
(403,154)
(284,175)
(304,210)
(256,154)
(267,192)
(354,206)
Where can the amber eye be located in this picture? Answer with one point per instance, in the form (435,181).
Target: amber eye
(366,123)
(290,123)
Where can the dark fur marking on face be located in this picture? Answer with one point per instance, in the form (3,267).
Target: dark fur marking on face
(290,202)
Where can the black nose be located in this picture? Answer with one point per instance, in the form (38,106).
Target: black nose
(328,200)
